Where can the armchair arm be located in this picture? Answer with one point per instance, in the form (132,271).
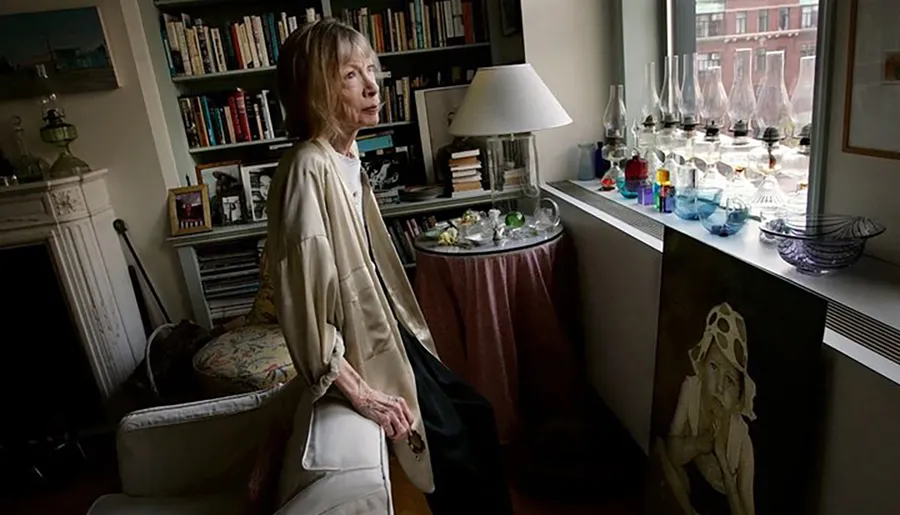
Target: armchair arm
(198,447)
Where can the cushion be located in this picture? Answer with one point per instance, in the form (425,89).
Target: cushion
(250,358)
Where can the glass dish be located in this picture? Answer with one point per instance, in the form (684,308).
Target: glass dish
(819,244)
(728,220)
(696,203)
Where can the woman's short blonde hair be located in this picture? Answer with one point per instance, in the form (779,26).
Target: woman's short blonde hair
(309,78)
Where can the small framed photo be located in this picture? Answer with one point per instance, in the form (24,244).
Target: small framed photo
(222,179)
(257,179)
(189,211)
(231,210)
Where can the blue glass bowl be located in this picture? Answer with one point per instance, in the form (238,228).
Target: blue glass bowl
(819,244)
(628,189)
(697,203)
(728,221)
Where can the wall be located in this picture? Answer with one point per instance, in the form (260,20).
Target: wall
(857,184)
(570,45)
(860,440)
(115,132)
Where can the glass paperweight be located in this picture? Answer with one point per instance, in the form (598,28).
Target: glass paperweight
(514,219)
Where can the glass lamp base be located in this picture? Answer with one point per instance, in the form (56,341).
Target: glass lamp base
(67,165)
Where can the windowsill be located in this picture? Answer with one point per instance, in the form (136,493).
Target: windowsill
(864,300)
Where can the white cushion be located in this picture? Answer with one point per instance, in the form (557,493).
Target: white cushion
(218,504)
(338,439)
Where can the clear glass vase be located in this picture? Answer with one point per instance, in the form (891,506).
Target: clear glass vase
(669,95)
(774,107)
(742,105)
(586,161)
(715,100)
(691,93)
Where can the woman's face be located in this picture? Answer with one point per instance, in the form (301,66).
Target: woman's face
(360,103)
(721,382)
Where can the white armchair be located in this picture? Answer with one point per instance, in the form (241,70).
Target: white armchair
(197,458)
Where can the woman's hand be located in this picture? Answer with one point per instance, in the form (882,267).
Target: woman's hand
(390,412)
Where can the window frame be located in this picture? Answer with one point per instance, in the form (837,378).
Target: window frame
(784,18)
(762,15)
(739,27)
(681,41)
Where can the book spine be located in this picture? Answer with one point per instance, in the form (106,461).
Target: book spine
(229,124)
(420,37)
(244,41)
(206,65)
(197,110)
(469,23)
(239,134)
(407,108)
(260,38)
(266,114)
(267,39)
(207,121)
(241,101)
(183,49)
(284,27)
(190,131)
(228,48)
(426,16)
(275,41)
(255,135)
(251,42)
(404,42)
(259,121)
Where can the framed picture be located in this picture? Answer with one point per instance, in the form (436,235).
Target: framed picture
(872,99)
(435,109)
(189,210)
(737,388)
(222,179)
(231,209)
(71,45)
(257,179)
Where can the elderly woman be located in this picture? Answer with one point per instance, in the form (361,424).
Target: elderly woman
(345,305)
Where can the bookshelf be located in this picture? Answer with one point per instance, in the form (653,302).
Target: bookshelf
(221,57)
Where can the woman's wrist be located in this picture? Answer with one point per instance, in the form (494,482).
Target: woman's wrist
(351,384)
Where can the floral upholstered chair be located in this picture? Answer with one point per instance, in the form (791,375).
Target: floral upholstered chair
(252,355)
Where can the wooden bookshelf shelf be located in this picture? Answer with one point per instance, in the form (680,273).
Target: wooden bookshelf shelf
(211,148)
(267,69)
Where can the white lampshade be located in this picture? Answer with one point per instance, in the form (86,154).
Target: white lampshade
(507,100)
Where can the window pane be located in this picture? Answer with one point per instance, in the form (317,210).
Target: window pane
(764,20)
(740,26)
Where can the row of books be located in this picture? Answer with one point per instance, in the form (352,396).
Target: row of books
(397,93)
(193,47)
(404,233)
(424,24)
(221,119)
(465,171)
(230,279)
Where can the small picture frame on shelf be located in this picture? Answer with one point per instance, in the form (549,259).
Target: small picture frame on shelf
(257,179)
(189,211)
(222,179)
(231,210)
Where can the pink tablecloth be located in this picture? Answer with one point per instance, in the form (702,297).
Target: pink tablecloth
(501,322)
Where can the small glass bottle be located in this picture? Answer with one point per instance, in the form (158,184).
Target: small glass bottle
(586,161)
(635,174)
(29,168)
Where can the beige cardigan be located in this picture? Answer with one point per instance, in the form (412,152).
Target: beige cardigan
(329,299)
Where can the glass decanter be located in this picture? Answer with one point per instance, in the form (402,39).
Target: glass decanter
(669,96)
(802,96)
(635,176)
(29,168)
(774,107)
(742,100)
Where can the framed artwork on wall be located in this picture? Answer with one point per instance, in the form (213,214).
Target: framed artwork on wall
(872,99)
(70,43)
(737,396)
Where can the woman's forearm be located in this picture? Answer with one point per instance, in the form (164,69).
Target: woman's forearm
(351,384)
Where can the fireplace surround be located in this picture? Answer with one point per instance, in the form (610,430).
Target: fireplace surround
(73,218)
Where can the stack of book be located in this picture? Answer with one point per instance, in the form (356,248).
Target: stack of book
(513,178)
(230,281)
(194,47)
(465,170)
(425,24)
(211,120)
(404,233)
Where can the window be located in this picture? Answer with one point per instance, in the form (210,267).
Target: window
(716,24)
(763,21)
(807,49)
(760,60)
(784,18)
(703,26)
(809,17)
(740,23)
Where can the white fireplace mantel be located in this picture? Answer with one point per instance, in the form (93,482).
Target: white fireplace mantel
(74,218)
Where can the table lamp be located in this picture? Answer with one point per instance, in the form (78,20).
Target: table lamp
(506,104)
